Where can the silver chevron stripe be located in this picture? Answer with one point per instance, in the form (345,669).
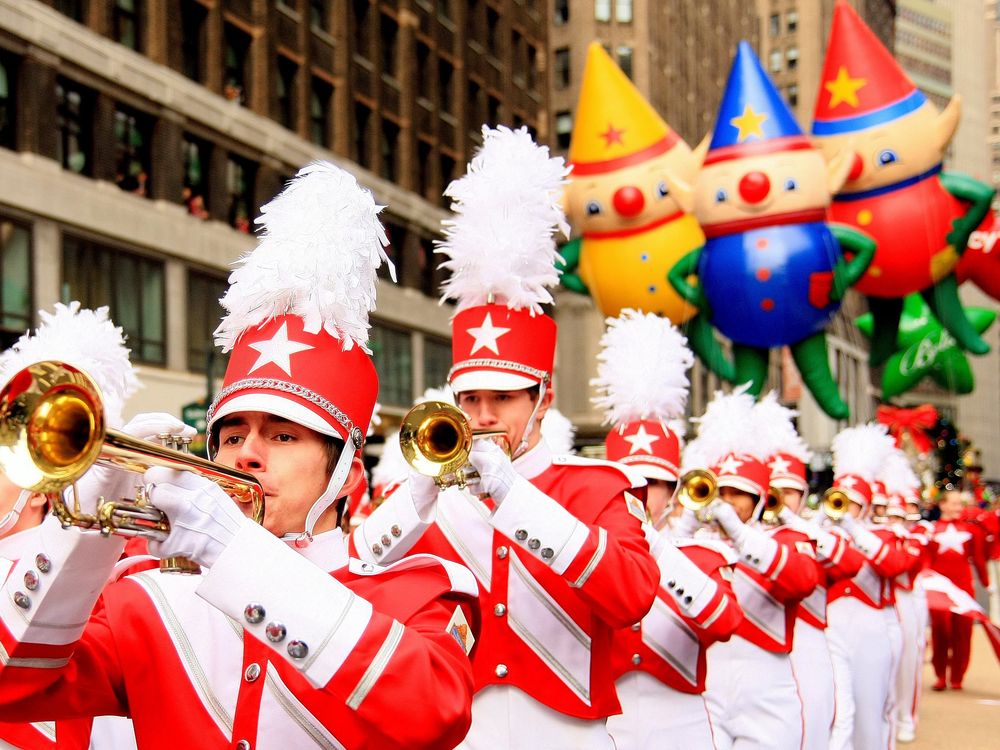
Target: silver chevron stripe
(548,630)
(762,609)
(377,666)
(869,582)
(290,706)
(462,519)
(815,603)
(672,640)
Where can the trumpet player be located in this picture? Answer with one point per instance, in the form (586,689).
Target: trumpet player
(751,690)
(860,612)
(279,640)
(660,662)
(555,541)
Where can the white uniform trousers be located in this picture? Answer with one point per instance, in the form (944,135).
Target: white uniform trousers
(863,672)
(657,716)
(895,633)
(505,718)
(911,606)
(814,675)
(112,733)
(752,698)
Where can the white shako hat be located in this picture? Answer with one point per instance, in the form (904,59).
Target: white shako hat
(297,317)
(858,453)
(788,454)
(642,387)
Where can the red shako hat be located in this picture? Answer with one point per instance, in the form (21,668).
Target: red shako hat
(788,454)
(858,452)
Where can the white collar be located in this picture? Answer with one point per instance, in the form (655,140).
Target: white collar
(533,462)
(21,544)
(327,550)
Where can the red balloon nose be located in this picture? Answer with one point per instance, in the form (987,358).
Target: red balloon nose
(857,167)
(628,201)
(754,187)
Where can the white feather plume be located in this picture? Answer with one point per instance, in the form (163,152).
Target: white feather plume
(897,474)
(558,431)
(376,420)
(321,242)
(444,393)
(728,426)
(642,369)
(679,427)
(861,450)
(775,429)
(86,339)
(391,465)
(500,243)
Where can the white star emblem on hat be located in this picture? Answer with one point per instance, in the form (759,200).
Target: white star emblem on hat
(952,540)
(780,465)
(640,440)
(486,335)
(847,483)
(278,350)
(730,466)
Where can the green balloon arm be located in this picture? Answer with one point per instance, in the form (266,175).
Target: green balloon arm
(885,313)
(847,273)
(703,342)
(570,279)
(942,299)
(678,278)
(979,196)
(895,381)
(953,373)
(811,358)
(751,367)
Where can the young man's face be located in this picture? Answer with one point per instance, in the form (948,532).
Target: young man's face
(658,494)
(31,514)
(792,498)
(290,461)
(742,502)
(951,505)
(507,411)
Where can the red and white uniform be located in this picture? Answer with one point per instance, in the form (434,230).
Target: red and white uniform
(264,649)
(751,689)
(911,608)
(660,663)
(562,563)
(956,547)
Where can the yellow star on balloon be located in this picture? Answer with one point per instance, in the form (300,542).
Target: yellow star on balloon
(844,89)
(749,123)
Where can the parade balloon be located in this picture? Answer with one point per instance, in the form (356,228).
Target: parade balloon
(629,230)
(919,216)
(925,349)
(771,272)
(981,262)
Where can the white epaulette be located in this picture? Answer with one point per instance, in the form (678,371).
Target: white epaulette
(715,545)
(461,578)
(568,459)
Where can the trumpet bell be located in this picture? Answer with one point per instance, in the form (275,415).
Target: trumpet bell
(773,504)
(435,438)
(697,489)
(835,503)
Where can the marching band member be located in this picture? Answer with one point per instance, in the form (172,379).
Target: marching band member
(556,542)
(660,662)
(860,608)
(751,690)
(835,561)
(280,640)
(956,548)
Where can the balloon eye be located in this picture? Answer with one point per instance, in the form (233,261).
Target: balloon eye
(662,190)
(593,208)
(721,196)
(887,156)
(791,184)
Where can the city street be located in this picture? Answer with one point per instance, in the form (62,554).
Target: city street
(968,719)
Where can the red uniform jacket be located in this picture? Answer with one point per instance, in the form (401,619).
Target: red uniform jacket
(872,584)
(955,548)
(842,562)
(562,563)
(668,644)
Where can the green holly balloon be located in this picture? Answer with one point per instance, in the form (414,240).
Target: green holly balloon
(925,349)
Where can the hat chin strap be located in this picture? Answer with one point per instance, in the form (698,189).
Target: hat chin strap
(522,446)
(9,521)
(328,498)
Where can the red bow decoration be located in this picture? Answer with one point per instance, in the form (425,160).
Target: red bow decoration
(913,422)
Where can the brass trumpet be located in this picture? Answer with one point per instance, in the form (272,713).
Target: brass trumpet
(835,503)
(52,431)
(773,504)
(697,489)
(436,440)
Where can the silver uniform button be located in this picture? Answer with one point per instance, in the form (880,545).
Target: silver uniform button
(22,600)
(386,541)
(43,563)
(501,553)
(254,613)
(636,659)
(275,632)
(396,530)
(547,553)
(242,745)
(500,610)
(534,544)
(297,649)
(377,549)
(501,670)
(520,535)
(252,672)
(637,627)
(30,580)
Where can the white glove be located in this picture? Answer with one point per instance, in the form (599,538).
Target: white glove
(868,544)
(150,425)
(203,518)
(496,473)
(756,548)
(724,514)
(686,526)
(423,492)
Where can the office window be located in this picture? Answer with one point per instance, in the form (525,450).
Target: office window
(389,150)
(561,16)
(241,175)
(476,103)
(193,15)
(74,117)
(7,102)
(125,23)
(493,30)
(532,79)
(203,315)
(362,30)
(392,351)
(196,171)
(562,68)
(602,10)
(776,60)
(235,59)
(792,21)
(362,135)
(131,285)
(424,151)
(623,11)
(624,55)
(444,9)
(564,129)
(133,162)
(319,15)
(75,9)
(437,361)
(320,96)
(774,24)
(493,111)
(792,56)
(447,175)
(16,306)
(792,92)
(389,30)
(445,87)
(285,90)
(424,69)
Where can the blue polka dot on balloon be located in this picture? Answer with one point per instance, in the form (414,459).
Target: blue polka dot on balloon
(652,289)
(644,257)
